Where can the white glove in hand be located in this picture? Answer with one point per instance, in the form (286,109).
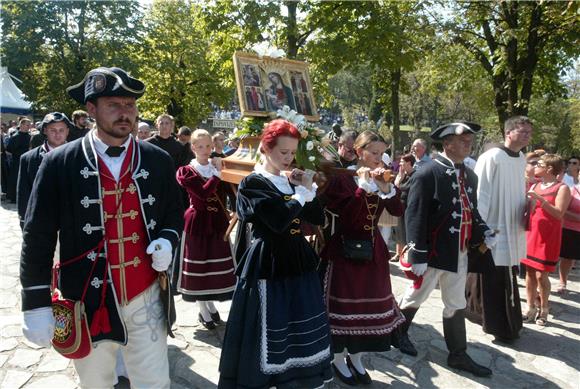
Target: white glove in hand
(490,238)
(160,250)
(419,268)
(38,326)
(303,195)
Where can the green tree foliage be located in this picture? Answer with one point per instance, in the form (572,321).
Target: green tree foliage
(557,120)
(350,89)
(52,44)
(518,44)
(446,85)
(173,63)
(386,35)
(232,25)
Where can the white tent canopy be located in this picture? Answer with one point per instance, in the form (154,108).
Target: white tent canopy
(12,100)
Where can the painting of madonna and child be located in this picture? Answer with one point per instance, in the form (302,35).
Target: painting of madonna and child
(267,84)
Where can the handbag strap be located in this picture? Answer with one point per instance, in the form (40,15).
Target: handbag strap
(222,206)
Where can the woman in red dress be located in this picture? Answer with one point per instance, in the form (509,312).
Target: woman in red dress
(361,308)
(207,268)
(545,235)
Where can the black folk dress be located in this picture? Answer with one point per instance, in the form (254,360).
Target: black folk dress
(277,332)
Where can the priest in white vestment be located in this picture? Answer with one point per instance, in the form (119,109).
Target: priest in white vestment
(493,295)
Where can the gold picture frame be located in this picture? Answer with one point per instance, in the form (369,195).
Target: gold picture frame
(266,84)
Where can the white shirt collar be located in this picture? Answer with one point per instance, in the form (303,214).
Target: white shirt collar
(280,181)
(101,147)
(205,170)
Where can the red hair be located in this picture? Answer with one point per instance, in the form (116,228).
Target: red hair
(274,130)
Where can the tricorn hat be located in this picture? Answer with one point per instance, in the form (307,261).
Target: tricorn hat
(102,81)
(455,128)
(55,117)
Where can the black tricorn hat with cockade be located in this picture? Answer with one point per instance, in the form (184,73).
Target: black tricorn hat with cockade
(102,82)
(456,128)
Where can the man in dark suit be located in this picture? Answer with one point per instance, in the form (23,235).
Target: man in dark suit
(81,125)
(55,126)
(166,141)
(18,144)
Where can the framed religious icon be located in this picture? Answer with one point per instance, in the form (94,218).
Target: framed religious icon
(267,84)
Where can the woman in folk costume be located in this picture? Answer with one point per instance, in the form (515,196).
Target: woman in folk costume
(551,199)
(277,333)
(207,267)
(361,307)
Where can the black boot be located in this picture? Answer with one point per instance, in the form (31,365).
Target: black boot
(400,338)
(456,339)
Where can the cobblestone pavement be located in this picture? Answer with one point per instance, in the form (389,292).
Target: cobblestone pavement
(542,358)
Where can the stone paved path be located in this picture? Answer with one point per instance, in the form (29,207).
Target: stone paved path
(542,358)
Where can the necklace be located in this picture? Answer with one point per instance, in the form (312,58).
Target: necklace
(547,185)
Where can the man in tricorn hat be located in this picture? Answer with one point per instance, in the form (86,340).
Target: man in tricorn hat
(442,223)
(115,206)
(55,128)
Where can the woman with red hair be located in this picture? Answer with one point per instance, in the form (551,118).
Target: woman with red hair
(277,333)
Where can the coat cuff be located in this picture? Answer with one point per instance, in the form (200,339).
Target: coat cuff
(366,186)
(417,255)
(389,195)
(36,298)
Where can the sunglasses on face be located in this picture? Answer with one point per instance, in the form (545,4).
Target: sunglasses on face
(572,162)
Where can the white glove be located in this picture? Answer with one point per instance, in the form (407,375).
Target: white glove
(419,269)
(160,250)
(490,238)
(38,326)
(303,195)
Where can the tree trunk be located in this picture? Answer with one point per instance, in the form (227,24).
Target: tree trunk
(375,107)
(500,98)
(291,32)
(395,84)
(531,60)
(510,15)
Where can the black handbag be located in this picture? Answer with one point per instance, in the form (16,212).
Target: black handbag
(357,250)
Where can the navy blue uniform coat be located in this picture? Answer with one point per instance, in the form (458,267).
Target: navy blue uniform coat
(66,199)
(433,214)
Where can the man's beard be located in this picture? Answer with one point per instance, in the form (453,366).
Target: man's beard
(119,133)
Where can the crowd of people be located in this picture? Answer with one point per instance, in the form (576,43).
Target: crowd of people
(142,214)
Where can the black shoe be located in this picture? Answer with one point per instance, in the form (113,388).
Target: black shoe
(502,340)
(401,341)
(210,325)
(364,379)
(347,380)
(216,317)
(462,361)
